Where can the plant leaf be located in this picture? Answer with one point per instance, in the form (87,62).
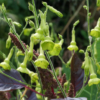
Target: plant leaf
(77,74)
(7,84)
(91,92)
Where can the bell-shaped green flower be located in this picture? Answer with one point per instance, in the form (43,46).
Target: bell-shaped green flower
(73,45)
(23,66)
(5,65)
(47,44)
(96,31)
(8,42)
(33,76)
(41,61)
(93,77)
(38,36)
(56,49)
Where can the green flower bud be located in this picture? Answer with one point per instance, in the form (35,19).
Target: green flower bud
(28,31)
(8,42)
(96,31)
(81,51)
(76,23)
(31,7)
(31,23)
(85,7)
(53,9)
(17,24)
(47,44)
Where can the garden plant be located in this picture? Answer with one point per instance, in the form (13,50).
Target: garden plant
(80,82)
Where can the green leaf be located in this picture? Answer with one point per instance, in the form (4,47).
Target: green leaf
(91,92)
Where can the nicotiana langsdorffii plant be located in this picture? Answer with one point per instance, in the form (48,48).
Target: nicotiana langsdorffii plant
(45,81)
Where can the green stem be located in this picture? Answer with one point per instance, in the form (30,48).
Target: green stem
(55,75)
(88,20)
(61,60)
(35,14)
(24,28)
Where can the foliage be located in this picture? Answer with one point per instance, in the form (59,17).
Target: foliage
(45,83)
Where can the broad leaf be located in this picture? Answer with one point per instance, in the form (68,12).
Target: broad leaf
(77,74)
(7,84)
(91,92)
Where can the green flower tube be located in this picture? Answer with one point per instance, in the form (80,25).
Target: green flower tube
(41,61)
(8,42)
(23,66)
(30,52)
(96,31)
(87,64)
(93,77)
(73,43)
(5,65)
(33,76)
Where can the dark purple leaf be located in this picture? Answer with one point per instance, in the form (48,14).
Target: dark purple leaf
(33,96)
(68,98)
(77,74)
(7,84)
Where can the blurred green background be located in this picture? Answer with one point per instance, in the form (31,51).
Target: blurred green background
(71,9)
